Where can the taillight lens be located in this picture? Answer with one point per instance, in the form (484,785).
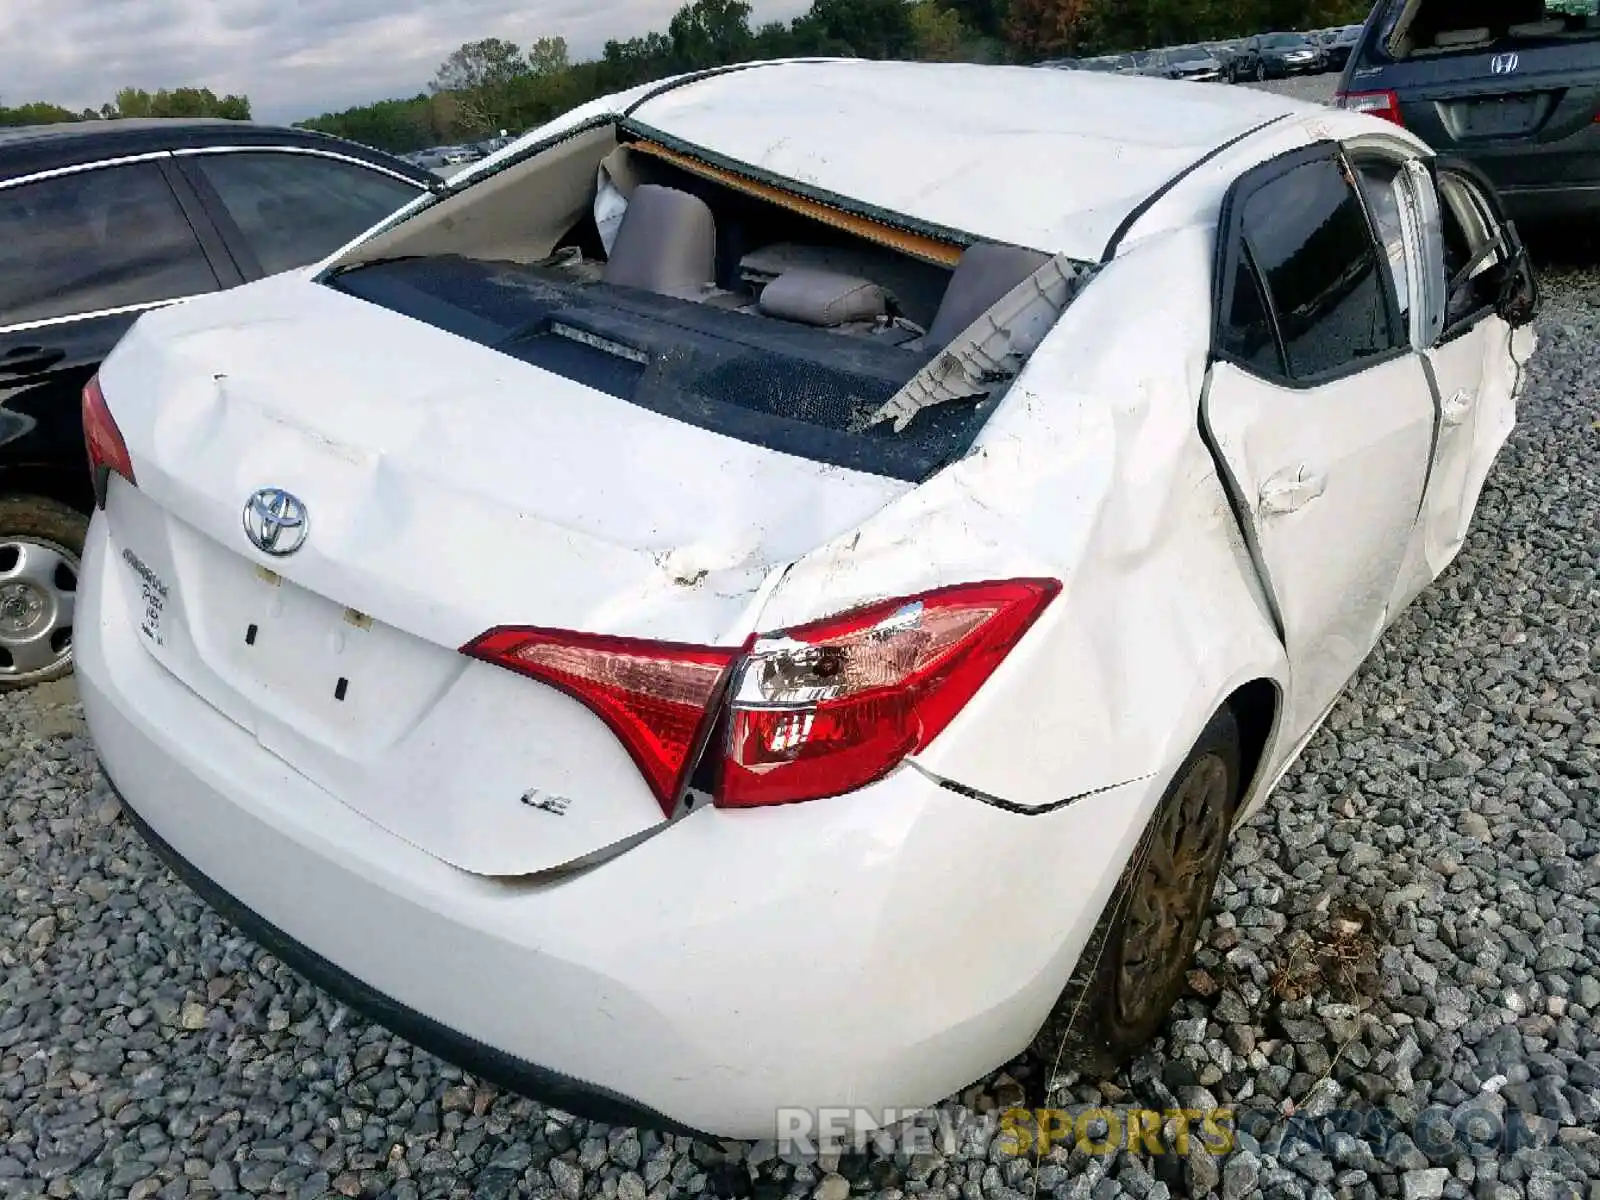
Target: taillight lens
(107,451)
(1374,104)
(810,712)
(657,697)
(827,707)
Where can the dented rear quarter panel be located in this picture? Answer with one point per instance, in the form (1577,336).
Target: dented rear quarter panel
(1092,471)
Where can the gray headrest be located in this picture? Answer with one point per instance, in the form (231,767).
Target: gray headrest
(986,272)
(667,243)
(815,297)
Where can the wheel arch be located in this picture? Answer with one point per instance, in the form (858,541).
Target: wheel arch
(51,482)
(1257,706)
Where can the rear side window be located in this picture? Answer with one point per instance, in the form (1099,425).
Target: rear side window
(93,240)
(294,209)
(1247,333)
(1309,238)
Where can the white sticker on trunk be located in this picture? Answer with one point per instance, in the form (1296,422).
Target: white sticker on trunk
(153,594)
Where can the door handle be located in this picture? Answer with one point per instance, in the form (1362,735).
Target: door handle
(1290,491)
(29,360)
(1456,409)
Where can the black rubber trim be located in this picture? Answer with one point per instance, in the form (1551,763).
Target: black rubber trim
(673,85)
(1155,197)
(589,1101)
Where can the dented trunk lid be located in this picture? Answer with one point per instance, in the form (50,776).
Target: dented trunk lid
(448,490)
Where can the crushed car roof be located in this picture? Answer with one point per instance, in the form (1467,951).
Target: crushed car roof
(1056,160)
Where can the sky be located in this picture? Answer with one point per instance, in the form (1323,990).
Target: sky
(293,58)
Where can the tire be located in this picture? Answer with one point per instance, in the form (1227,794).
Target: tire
(1261,72)
(1103,1017)
(41,549)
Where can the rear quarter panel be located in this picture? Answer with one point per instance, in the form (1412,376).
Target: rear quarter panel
(1092,472)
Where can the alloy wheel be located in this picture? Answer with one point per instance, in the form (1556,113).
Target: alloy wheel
(38,593)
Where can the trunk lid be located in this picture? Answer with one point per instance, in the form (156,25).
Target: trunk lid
(448,489)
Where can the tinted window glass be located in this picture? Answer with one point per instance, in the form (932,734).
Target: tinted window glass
(296,208)
(1247,335)
(94,240)
(1310,239)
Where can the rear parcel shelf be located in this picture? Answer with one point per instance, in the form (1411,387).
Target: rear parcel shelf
(798,390)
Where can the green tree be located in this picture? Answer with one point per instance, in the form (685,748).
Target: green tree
(862,28)
(37,112)
(547,57)
(710,33)
(177,102)
(773,40)
(937,34)
(489,63)
(1042,28)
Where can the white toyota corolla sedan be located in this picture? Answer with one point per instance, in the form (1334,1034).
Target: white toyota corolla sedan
(772,591)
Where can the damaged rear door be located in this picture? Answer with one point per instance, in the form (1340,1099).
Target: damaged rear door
(1318,411)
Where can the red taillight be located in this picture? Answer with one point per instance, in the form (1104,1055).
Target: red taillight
(1375,104)
(656,696)
(812,711)
(827,707)
(107,451)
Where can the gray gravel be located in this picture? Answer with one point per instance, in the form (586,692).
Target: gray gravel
(1412,927)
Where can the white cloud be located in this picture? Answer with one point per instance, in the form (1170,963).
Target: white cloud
(293,58)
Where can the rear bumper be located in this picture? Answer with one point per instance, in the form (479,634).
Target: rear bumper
(552,1087)
(1551,203)
(881,949)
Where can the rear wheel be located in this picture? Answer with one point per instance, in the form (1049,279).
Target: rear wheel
(1132,967)
(41,547)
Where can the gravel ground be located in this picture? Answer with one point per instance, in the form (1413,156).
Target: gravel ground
(1411,927)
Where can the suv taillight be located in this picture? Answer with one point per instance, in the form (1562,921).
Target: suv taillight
(1375,104)
(108,453)
(804,713)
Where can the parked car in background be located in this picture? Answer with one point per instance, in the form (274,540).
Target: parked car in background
(1513,89)
(1194,63)
(1225,52)
(100,221)
(547,640)
(1276,56)
(1336,50)
(1117,64)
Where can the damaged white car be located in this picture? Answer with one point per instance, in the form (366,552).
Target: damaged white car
(772,591)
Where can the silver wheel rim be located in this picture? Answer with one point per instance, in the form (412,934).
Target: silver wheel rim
(38,595)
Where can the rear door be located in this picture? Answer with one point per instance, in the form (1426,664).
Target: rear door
(82,253)
(1318,411)
(286,207)
(1475,359)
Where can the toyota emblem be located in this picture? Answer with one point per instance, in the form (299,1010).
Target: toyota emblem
(1505,64)
(276,522)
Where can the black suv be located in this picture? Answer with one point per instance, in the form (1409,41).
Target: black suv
(99,221)
(1512,86)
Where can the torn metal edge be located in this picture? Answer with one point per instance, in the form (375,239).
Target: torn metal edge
(1022,810)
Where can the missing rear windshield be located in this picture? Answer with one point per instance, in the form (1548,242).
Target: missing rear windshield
(640,271)
(1433,28)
